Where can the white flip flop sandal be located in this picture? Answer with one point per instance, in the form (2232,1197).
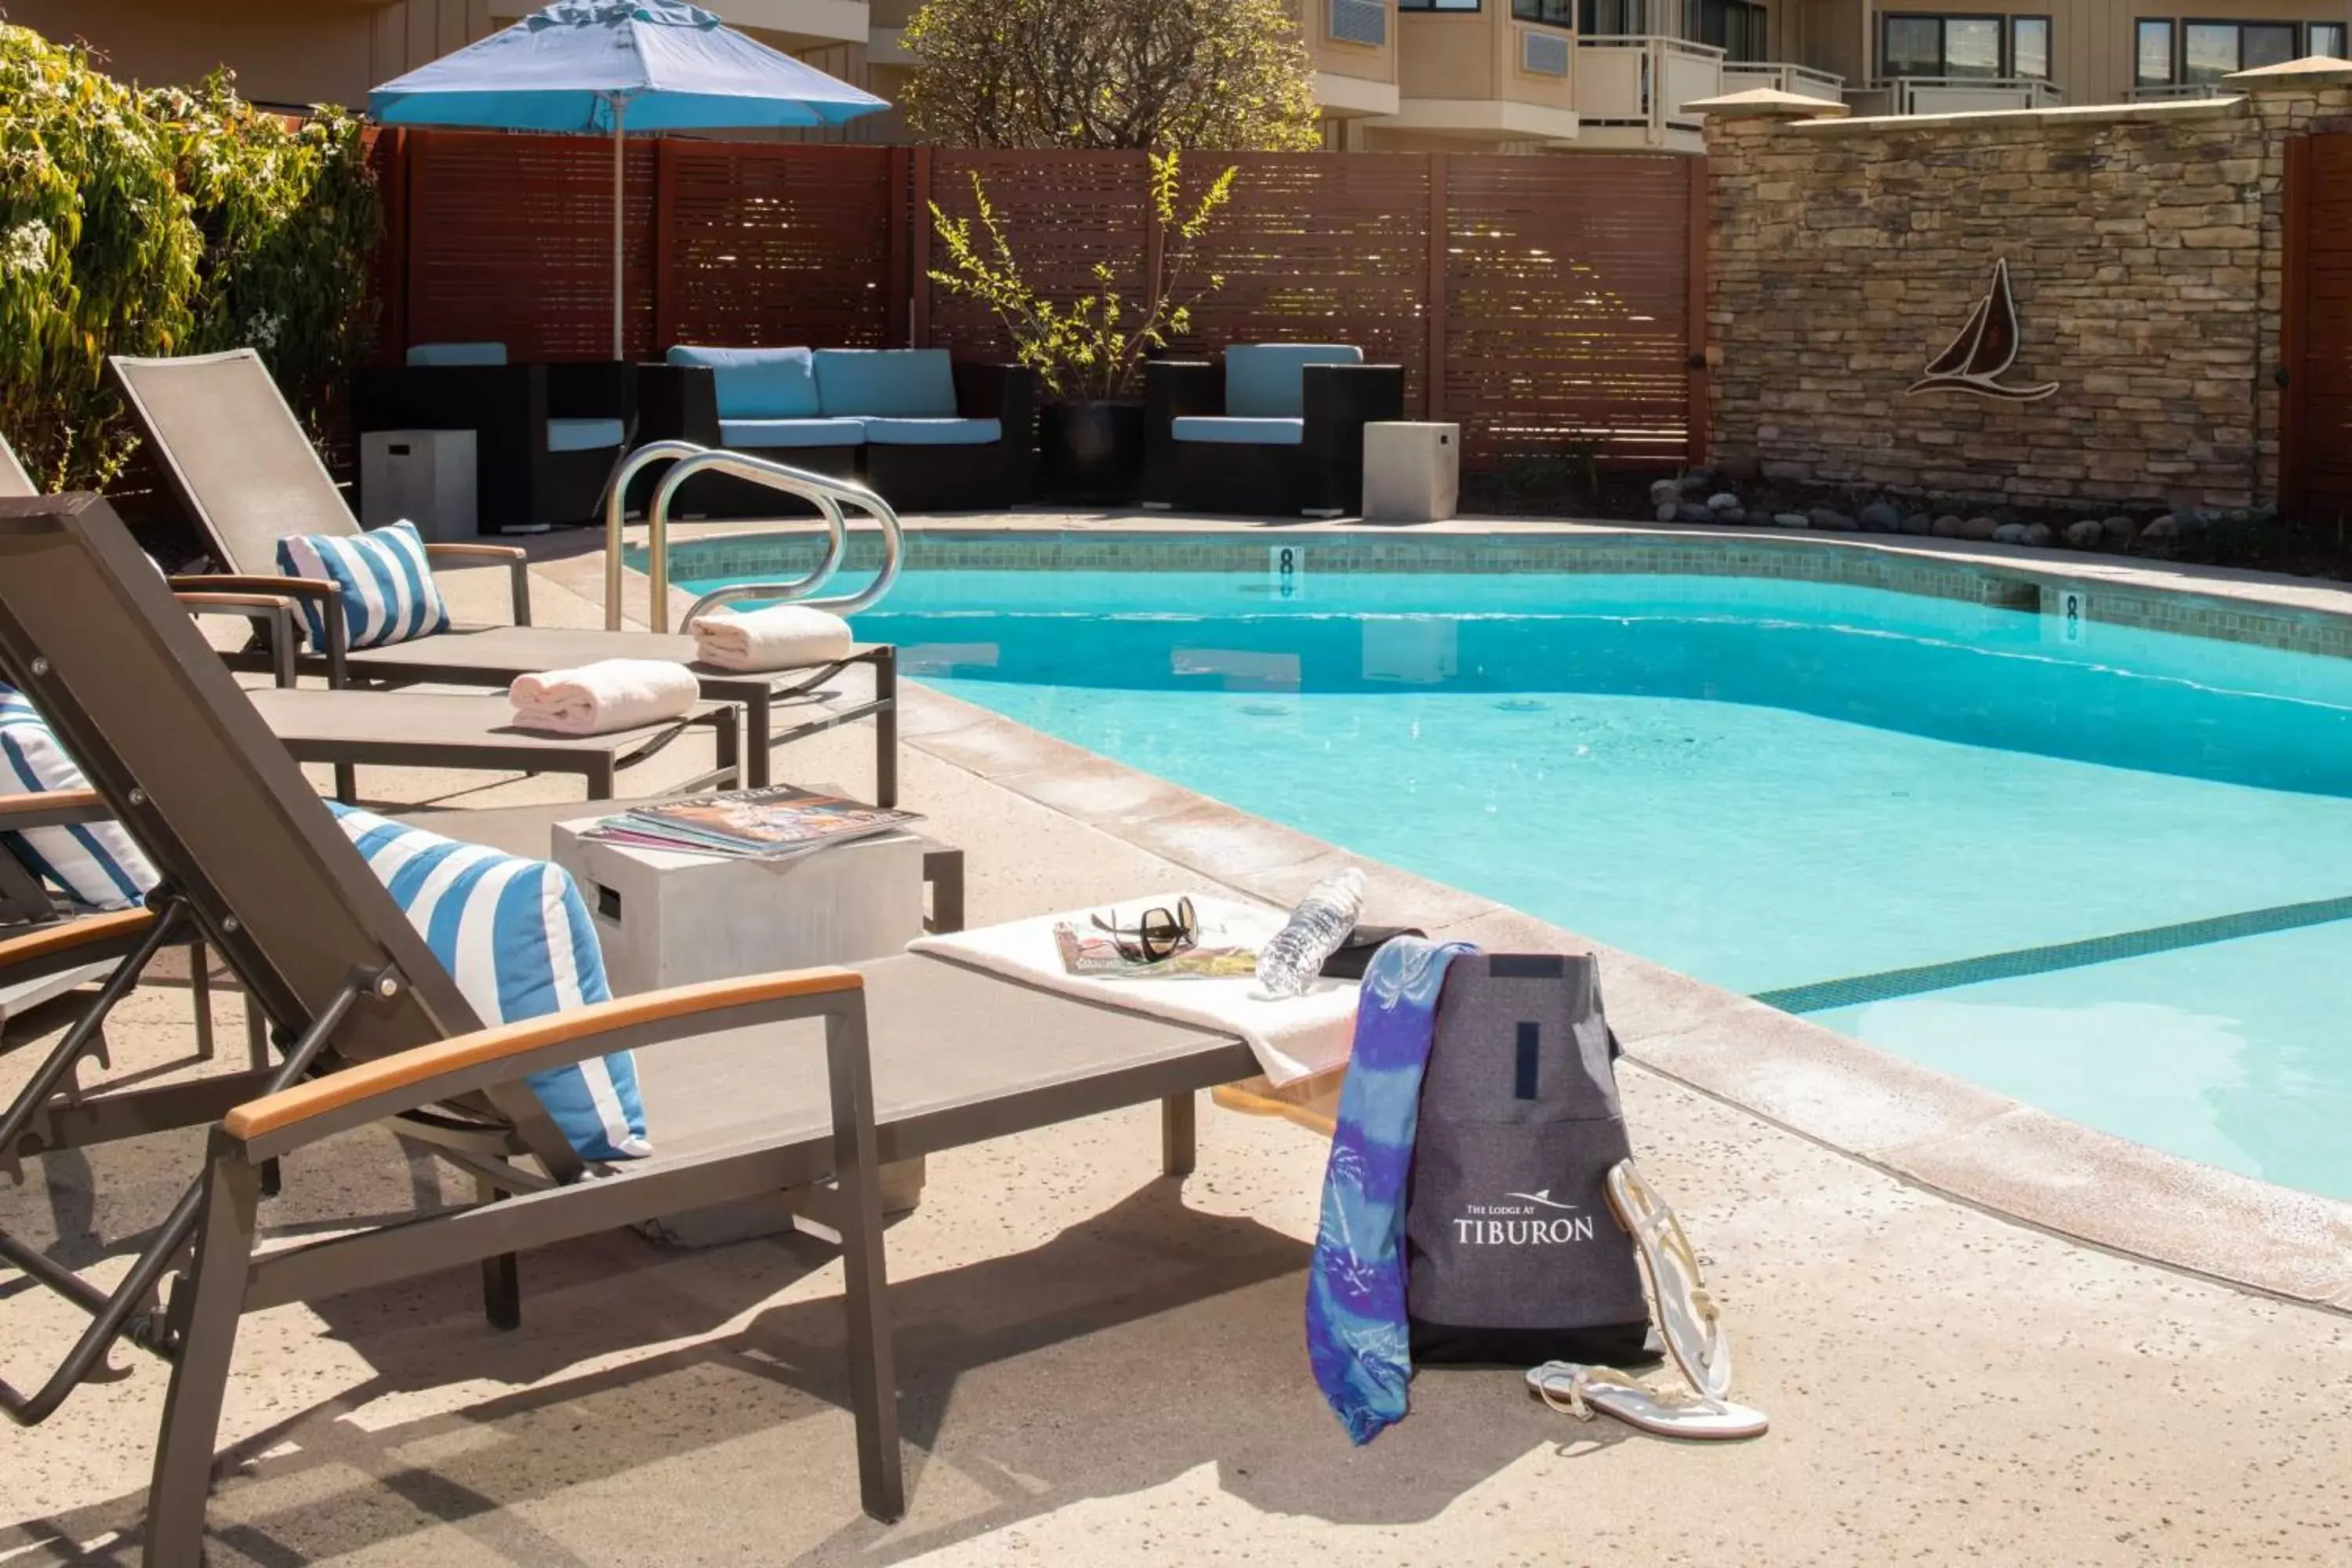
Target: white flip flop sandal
(1688,1315)
(1580,1391)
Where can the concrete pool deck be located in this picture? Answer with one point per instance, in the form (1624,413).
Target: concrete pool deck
(1100,1367)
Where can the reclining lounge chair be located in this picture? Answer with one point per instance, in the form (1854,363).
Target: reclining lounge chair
(239,461)
(375,1029)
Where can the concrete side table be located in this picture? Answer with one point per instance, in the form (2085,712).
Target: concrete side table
(424,477)
(667,919)
(1412,471)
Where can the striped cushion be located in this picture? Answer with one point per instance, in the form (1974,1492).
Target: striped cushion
(386,585)
(516,937)
(95,863)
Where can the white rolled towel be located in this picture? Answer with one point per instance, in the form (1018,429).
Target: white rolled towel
(598,699)
(782,637)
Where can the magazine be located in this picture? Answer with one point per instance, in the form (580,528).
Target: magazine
(1096,954)
(770,824)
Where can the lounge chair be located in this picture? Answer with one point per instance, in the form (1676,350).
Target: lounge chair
(1278,428)
(375,1029)
(548,436)
(240,462)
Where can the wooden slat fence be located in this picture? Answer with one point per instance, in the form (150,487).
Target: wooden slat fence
(2316,331)
(1546,303)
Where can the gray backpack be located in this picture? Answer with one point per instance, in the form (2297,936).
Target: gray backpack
(1511,1251)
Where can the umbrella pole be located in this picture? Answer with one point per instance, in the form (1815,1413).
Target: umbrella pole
(620,220)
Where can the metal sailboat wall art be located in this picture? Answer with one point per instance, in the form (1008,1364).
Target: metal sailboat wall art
(1986,347)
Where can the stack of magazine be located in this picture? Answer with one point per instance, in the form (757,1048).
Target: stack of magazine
(773,824)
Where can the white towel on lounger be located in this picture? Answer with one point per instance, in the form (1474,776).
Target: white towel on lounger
(782,637)
(598,699)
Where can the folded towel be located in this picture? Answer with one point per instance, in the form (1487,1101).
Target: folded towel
(782,637)
(1293,1037)
(598,699)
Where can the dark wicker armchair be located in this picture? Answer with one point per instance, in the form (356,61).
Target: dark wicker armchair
(1278,428)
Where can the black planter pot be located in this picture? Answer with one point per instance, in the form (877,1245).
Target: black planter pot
(1093,451)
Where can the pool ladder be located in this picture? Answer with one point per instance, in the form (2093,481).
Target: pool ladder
(828,495)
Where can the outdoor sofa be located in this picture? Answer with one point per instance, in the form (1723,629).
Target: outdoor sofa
(923,430)
(1277,428)
(753,1087)
(548,436)
(248,476)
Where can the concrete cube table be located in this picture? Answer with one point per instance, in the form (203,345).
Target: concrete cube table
(424,477)
(1412,471)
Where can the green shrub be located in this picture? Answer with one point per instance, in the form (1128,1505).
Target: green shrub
(172,221)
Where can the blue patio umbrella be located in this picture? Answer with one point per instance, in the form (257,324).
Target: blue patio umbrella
(602,66)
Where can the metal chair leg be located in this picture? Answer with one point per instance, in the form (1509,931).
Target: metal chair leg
(873,1369)
(501,1277)
(205,1309)
(200,986)
(886,727)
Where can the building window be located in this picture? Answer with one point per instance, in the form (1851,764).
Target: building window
(2152,61)
(1609,18)
(1550,13)
(2327,38)
(2029,46)
(1735,27)
(1437,4)
(1941,46)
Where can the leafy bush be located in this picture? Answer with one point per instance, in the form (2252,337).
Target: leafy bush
(172,221)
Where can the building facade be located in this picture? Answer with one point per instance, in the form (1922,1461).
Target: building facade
(1399,74)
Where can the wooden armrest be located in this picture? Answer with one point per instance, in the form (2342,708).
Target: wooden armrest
(66,936)
(237,601)
(481,551)
(427,1073)
(52,809)
(232,583)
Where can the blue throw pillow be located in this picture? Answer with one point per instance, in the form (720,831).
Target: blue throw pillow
(95,863)
(384,579)
(516,939)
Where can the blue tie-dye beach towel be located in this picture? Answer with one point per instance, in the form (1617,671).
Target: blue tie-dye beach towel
(1356,1333)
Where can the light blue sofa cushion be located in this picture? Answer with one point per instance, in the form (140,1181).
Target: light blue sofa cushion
(1261,380)
(516,937)
(757,383)
(1240,432)
(933,432)
(584,434)
(456,354)
(904,383)
(750,435)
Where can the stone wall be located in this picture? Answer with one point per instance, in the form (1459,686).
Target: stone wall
(2143,244)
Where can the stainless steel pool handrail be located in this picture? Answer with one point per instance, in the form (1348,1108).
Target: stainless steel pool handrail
(690,458)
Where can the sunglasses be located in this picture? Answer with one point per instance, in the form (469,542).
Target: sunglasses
(1159,935)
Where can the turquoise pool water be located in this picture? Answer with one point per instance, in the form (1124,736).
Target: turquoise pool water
(2125,866)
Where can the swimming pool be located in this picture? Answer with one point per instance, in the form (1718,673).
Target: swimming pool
(2111,878)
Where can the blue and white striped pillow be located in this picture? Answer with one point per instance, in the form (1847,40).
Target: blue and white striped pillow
(387,583)
(516,937)
(96,863)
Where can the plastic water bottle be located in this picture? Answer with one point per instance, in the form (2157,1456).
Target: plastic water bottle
(1288,964)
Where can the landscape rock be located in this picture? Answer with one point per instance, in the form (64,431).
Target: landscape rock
(1879,517)
(2009,534)
(1665,493)
(1723,500)
(2165,527)
(1690,513)
(1791,520)
(2119,530)
(1668,511)
(1919,522)
(1837,521)
(1979,528)
(1698,482)
(1946,527)
(2038,534)
(2085,533)
(1737,514)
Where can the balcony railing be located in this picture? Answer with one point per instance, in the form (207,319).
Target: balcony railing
(1744,76)
(2180,90)
(1953,95)
(1643,81)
